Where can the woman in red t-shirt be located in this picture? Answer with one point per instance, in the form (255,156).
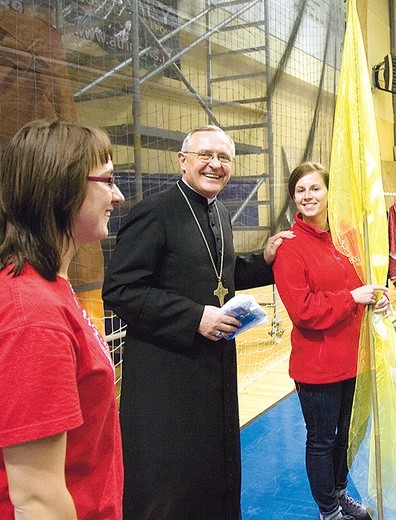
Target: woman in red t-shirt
(60,454)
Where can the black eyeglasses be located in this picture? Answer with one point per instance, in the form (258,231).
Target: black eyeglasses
(207,156)
(108,180)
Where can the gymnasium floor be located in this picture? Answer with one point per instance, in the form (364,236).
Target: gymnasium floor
(274,482)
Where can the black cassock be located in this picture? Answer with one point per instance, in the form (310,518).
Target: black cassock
(179,409)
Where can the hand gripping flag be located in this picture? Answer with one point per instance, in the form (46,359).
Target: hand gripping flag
(358,222)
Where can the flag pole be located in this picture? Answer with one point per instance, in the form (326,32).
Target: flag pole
(357,217)
(373,381)
(372,354)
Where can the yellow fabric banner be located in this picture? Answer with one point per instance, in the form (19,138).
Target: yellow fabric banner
(358,222)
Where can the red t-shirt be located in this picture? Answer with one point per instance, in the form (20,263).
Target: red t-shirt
(57,375)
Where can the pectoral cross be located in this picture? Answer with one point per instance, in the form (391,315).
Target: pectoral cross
(220,292)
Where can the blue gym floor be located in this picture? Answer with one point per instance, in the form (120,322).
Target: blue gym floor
(274,481)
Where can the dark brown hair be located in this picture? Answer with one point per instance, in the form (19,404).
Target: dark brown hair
(302,170)
(42,186)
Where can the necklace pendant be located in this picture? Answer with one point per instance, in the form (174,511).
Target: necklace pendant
(220,292)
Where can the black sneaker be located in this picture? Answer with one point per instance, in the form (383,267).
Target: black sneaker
(352,507)
(335,515)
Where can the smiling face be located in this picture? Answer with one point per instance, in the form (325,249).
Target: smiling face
(207,178)
(92,219)
(310,196)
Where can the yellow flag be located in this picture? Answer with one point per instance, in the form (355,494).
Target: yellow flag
(358,222)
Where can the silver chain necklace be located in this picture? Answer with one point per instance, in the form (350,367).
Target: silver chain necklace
(220,291)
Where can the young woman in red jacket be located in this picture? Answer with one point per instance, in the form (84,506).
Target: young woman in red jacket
(325,300)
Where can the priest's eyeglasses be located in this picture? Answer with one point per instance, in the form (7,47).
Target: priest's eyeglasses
(108,180)
(207,156)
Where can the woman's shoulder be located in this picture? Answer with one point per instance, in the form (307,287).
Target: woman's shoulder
(292,243)
(303,246)
(29,298)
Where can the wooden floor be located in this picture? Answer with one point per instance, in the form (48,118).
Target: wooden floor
(264,393)
(262,350)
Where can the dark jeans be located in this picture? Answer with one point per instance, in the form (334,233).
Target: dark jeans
(327,412)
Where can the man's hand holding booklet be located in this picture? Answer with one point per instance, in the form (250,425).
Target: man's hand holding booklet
(244,308)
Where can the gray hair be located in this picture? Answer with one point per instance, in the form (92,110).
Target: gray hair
(206,128)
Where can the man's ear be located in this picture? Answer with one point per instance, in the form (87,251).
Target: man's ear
(182,160)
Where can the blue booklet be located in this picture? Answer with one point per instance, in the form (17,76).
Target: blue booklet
(244,308)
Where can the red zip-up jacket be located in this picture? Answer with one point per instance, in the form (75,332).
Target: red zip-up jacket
(314,282)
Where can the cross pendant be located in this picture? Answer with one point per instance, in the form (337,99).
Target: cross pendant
(220,292)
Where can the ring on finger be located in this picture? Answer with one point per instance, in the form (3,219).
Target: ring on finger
(219,334)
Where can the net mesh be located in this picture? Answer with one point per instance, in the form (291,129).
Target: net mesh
(148,71)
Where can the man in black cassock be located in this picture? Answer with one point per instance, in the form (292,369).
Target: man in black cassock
(172,268)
